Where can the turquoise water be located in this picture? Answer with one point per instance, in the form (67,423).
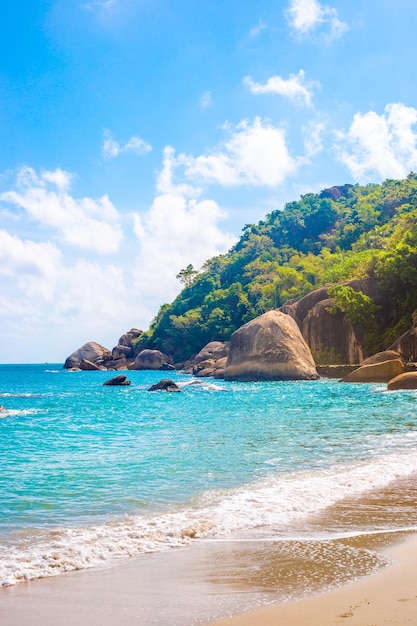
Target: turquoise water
(91,473)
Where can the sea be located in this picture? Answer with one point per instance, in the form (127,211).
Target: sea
(93,476)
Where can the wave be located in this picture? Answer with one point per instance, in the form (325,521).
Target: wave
(275,503)
(14,412)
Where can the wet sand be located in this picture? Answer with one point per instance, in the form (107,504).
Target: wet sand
(386,598)
(211,580)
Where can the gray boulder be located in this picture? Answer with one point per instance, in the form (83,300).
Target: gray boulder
(91,351)
(165,385)
(117,381)
(152,360)
(269,347)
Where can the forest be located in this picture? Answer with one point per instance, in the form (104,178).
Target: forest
(342,233)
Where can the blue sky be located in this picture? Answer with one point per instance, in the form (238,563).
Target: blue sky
(139,136)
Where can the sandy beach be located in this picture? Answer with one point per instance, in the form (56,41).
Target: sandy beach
(388,597)
(190,586)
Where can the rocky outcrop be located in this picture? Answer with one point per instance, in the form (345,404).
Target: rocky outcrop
(406,345)
(269,347)
(91,351)
(125,348)
(165,385)
(210,361)
(117,381)
(331,337)
(408,380)
(152,360)
(87,365)
(377,373)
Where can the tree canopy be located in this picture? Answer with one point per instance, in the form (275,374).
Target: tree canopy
(345,232)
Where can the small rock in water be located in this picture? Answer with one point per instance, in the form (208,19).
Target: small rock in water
(165,385)
(2,409)
(117,380)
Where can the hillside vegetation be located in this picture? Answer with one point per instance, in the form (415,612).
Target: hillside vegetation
(340,234)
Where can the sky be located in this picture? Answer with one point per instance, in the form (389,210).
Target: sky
(139,136)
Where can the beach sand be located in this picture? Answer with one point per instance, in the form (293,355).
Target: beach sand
(388,597)
(199,584)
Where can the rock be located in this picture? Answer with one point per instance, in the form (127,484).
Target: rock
(379,357)
(125,347)
(3,409)
(269,347)
(406,345)
(91,351)
(117,381)
(376,373)
(218,371)
(151,360)
(331,337)
(408,380)
(165,385)
(87,365)
(207,359)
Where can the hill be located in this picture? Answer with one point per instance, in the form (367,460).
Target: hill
(344,233)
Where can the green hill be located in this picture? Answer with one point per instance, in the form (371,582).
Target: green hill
(343,233)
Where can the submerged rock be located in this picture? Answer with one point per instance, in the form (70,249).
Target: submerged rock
(117,380)
(165,385)
(269,347)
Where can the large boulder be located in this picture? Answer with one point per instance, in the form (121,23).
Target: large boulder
(91,351)
(379,357)
(152,360)
(376,373)
(269,347)
(408,380)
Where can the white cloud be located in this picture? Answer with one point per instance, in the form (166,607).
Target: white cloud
(85,223)
(112,148)
(380,145)
(296,87)
(307,16)
(206,100)
(254,154)
(177,230)
(256,30)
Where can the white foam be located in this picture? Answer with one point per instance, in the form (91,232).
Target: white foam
(276,502)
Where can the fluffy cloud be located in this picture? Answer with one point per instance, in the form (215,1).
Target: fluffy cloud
(296,88)
(307,16)
(254,154)
(57,305)
(84,223)
(380,145)
(112,148)
(177,230)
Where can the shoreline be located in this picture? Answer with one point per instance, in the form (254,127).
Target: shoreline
(197,585)
(388,596)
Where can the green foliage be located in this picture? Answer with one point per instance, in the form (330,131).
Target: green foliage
(357,306)
(340,234)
